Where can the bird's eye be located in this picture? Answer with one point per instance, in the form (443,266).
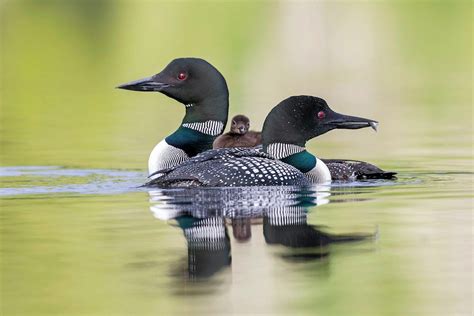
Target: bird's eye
(182,76)
(321,115)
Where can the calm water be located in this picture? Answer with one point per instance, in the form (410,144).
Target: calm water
(78,237)
(88,242)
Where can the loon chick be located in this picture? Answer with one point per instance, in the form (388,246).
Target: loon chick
(239,135)
(203,90)
(284,160)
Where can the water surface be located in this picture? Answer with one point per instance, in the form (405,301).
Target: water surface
(82,241)
(79,237)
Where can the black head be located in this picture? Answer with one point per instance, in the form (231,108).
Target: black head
(300,118)
(187,80)
(240,124)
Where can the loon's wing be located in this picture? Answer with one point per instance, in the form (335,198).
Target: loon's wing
(343,169)
(218,153)
(195,171)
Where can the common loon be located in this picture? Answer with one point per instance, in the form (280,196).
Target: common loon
(340,169)
(284,159)
(203,90)
(297,127)
(239,135)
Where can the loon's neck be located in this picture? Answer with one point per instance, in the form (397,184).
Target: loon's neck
(191,140)
(215,108)
(203,122)
(298,157)
(294,155)
(201,125)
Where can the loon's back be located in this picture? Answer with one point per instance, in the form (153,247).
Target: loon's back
(230,167)
(349,170)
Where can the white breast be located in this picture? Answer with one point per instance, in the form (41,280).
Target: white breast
(165,156)
(320,173)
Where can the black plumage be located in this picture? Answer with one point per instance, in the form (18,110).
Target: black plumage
(349,170)
(228,167)
(285,132)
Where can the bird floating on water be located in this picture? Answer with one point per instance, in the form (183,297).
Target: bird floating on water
(179,159)
(202,89)
(283,160)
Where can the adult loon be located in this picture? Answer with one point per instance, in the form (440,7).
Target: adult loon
(239,135)
(203,90)
(284,159)
(340,169)
(299,119)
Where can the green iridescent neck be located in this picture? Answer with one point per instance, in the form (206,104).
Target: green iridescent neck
(191,141)
(303,161)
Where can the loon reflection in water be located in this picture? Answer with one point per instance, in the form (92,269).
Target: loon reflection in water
(205,214)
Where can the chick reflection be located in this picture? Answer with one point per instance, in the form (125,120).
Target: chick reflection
(242,229)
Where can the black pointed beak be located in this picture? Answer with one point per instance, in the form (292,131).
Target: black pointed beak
(145,84)
(351,122)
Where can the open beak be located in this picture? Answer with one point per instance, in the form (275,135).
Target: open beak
(351,122)
(145,84)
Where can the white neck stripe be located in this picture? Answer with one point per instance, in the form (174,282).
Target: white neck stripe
(287,215)
(212,128)
(280,150)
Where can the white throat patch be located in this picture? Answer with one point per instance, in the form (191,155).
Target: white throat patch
(320,173)
(280,150)
(212,128)
(165,156)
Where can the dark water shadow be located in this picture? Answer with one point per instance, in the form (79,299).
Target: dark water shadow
(206,216)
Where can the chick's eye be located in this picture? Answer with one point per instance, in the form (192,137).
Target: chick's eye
(182,76)
(321,115)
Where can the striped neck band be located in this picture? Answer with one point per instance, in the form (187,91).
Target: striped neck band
(208,233)
(212,128)
(280,150)
(283,216)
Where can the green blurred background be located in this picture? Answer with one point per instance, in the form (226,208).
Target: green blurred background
(407,64)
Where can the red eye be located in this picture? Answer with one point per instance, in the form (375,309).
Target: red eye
(321,115)
(182,76)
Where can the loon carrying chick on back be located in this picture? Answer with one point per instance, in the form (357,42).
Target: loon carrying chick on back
(284,160)
(203,90)
(340,169)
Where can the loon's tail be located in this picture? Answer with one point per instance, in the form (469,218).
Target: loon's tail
(343,169)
